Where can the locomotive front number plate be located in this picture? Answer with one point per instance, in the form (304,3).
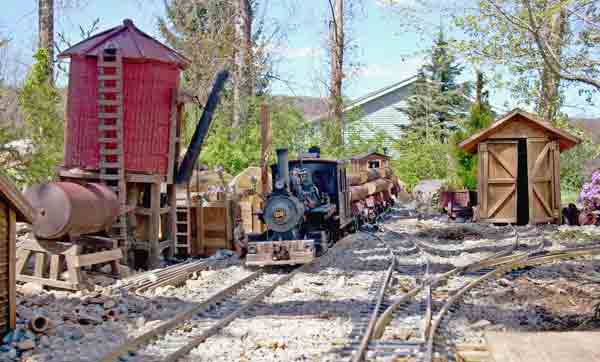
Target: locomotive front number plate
(279,214)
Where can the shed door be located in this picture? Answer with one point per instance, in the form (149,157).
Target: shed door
(498,175)
(544,195)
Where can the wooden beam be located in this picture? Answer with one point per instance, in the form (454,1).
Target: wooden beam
(172,136)
(502,162)
(501,202)
(97,258)
(12,244)
(537,193)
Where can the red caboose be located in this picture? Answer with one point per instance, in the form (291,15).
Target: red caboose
(150,80)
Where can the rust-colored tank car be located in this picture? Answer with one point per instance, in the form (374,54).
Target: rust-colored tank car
(151,73)
(69,209)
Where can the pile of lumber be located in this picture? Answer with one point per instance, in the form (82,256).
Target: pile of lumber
(369,182)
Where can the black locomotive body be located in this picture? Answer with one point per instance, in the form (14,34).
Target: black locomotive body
(307,211)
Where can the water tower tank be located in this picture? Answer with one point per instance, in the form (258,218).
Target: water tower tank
(151,73)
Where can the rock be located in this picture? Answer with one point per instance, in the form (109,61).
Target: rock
(480,324)
(124,271)
(341,282)
(403,333)
(26,344)
(44,341)
(109,304)
(85,319)
(194,284)
(31,289)
(12,354)
(296,290)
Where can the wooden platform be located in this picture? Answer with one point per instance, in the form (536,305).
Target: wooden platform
(544,346)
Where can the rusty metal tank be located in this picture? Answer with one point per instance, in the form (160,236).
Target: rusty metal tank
(67,208)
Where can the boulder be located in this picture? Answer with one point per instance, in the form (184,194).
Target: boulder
(426,189)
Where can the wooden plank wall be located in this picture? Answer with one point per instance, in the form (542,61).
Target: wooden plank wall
(5,277)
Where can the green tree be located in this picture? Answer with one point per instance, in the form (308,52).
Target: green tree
(572,162)
(43,126)
(438,100)
(420,158)
(289,129)
(480,116)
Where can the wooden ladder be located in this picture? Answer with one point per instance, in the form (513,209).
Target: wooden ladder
(110,116)
(183,227)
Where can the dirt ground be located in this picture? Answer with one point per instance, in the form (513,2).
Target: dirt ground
(317,313)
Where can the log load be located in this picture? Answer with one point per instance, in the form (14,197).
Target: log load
(361,192)
(371,174)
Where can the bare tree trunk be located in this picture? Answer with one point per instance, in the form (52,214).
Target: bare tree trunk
(265,147)
(549,101)
(337,75)
(243,84)
(479,87)
(46,31)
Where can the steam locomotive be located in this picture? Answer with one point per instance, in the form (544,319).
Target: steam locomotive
(311,207)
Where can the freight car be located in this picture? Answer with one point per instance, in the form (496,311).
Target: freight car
(312,205)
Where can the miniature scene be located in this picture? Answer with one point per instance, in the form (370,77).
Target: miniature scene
(351,180)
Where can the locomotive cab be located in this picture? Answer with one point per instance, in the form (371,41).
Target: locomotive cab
(304,212)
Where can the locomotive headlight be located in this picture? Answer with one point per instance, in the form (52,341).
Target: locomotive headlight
(251,249)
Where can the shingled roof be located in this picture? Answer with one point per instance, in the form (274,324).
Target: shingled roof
(131,41)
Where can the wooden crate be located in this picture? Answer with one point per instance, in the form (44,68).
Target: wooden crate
(250,220)
(212,227)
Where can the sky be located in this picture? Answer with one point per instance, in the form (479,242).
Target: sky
(383,52)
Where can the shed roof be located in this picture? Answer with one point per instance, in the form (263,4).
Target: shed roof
(131,41)
(16,199)
(367,154)
(565,139)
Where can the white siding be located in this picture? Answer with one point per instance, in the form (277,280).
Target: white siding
(383,113)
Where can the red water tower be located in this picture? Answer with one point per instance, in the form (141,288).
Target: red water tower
(138,88)
(123,126)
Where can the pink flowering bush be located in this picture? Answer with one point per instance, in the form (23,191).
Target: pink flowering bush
(590,193)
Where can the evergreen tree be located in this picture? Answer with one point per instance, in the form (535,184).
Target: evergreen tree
(480,116)
(43,125)
(438,100)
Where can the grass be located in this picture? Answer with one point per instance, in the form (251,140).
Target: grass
(568,197)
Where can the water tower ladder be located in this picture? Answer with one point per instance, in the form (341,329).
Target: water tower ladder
(110,116)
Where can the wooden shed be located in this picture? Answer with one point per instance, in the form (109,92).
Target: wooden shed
(368,160)
(519,169)
(13,208)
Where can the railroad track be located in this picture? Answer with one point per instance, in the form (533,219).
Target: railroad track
(361,340)
(433,345)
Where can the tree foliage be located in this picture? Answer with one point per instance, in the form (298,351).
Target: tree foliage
(438,100)
(204,31)
(435,108)
(289,129)
(572,162)
(43,126)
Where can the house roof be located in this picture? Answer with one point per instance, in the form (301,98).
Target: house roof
(10,192)
(311,107)
(566,140)
(367,154)
(370,97)
(131,41)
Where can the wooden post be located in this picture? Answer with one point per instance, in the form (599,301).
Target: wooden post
(12,244)
(172,219)
(153,237)
(265,146)
(483,209)
(556,181)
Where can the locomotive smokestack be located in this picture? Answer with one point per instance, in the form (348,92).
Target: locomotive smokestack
(283,166)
